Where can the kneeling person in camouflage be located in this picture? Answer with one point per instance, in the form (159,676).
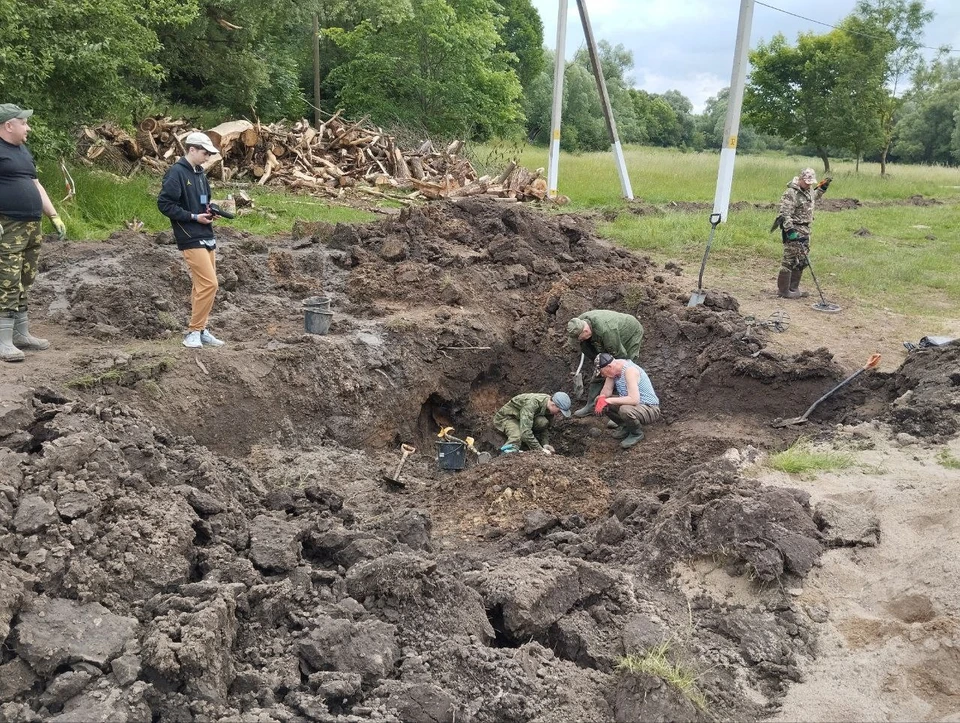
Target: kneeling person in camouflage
(525,420)
(627,398)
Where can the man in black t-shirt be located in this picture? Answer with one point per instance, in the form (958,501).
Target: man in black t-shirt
(23,201)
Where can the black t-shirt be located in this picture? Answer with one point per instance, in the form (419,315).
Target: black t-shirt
(19,197)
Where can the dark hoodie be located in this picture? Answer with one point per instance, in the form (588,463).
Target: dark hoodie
(185,193)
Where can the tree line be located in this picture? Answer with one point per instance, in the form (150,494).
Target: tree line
(473,69)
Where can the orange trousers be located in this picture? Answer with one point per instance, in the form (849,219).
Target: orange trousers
(203,270)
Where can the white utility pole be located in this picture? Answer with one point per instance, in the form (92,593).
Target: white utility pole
(560,66)
(605,102)
(731,126)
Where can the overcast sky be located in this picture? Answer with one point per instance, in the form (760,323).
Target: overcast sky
(688,45)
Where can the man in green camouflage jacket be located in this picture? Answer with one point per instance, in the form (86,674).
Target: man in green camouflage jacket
(525,420)
(796,217)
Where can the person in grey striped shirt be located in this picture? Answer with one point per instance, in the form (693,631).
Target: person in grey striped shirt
(627,398)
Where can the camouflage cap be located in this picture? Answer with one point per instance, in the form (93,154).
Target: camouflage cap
(808,176)
(576,326)
(9,111)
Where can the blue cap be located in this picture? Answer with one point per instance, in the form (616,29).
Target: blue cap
(562,400)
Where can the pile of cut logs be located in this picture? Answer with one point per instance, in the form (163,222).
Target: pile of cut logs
(325,161)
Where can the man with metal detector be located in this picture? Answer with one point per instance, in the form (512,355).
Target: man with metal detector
(602,330)
(795,219)
(185,199)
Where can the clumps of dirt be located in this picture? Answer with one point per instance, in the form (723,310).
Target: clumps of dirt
(494,498)
(212,540)
(924,393)
(146,578)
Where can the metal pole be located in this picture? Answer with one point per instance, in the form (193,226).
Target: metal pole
(316,70)
(605,101)
(731,127)
(554,156)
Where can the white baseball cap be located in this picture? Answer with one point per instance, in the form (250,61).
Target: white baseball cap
(202,140)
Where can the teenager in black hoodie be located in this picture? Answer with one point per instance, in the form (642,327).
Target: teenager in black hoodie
(184,199)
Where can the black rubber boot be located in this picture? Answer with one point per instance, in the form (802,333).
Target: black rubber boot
(635,435)
(795,282)
(783,286)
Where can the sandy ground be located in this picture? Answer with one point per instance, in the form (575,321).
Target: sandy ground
(890,649)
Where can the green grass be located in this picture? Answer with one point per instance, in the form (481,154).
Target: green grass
(657,662)
(948,460)
(895,267)
(659,175)
(106,203)
(803,457)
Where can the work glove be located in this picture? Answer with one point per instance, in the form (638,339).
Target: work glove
(793,235)
(601,404)
(508,448)
(60,226)
(825,183)
(548,449)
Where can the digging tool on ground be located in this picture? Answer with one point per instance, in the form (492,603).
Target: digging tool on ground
(871,364)
(406,450)
(698,296)
(823,304)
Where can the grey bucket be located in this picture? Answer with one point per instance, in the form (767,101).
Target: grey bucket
(317,315)
(451,455)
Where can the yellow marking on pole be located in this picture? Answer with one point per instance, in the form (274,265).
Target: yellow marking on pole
(732,143)
(556,135)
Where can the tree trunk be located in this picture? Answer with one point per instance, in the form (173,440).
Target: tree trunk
(883,160)
(822,153)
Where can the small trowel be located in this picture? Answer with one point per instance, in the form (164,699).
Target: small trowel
(394,479)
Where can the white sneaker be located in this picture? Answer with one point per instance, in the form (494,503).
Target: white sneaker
(208,339)
(192,340)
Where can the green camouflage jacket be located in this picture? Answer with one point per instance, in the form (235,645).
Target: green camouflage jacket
(612,332)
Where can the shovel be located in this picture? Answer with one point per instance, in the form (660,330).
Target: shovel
(698,296)
(407,450)
(871,363)
(578,380)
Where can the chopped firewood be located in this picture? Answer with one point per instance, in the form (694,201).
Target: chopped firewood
(326,160)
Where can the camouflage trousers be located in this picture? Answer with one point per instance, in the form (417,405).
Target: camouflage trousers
(19,257)
(795,254)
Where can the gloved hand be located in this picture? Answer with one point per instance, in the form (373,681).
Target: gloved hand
(601,404)
(793,235)
(508,448)
(60,226)
(825,183)
(548,449)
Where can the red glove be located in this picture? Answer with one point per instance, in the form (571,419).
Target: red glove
(601,404)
